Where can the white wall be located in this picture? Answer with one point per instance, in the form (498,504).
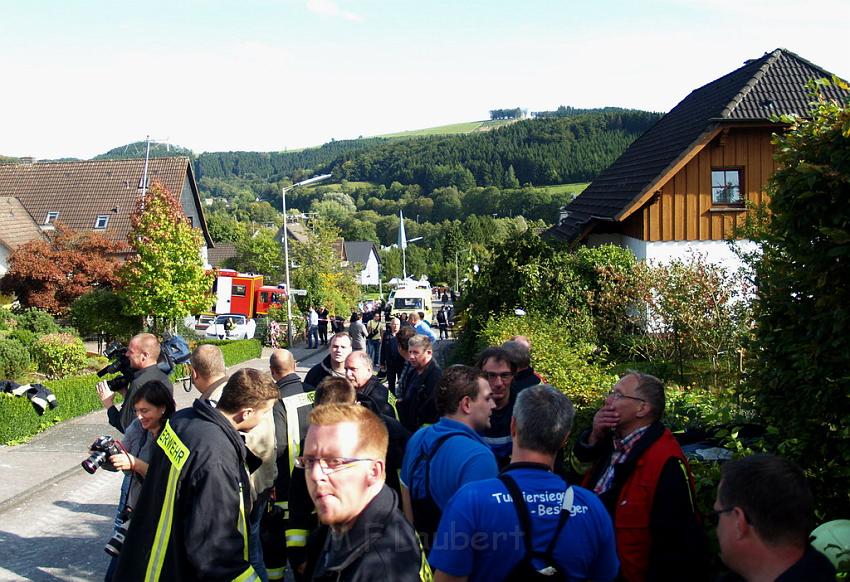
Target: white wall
(4,259)
(718,252)
(369,275)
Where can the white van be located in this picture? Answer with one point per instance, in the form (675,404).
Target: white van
(411,300)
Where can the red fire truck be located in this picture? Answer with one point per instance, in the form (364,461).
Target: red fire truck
(244,293)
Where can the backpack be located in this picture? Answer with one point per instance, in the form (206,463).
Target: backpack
(426,512)
(525,570)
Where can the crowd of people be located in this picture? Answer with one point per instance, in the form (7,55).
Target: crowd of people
(455,474)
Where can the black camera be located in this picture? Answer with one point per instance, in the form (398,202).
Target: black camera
(116,542)
(101,449)
(174,350)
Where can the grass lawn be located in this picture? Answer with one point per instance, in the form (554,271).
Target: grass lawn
(455,128)
(575,188)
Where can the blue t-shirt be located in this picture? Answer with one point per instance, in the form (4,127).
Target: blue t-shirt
(480,535)
(462,458)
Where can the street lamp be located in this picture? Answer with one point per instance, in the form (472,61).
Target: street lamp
(457,274)
(283,192)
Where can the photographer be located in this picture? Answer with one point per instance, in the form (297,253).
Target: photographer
(153,405)
(142,354)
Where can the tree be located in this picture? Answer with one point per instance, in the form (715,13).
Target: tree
(260,253)
(317,268)
(166,279)
(51,274)
(800,353)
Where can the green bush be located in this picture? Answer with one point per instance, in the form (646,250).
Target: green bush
(24,336)
(19,421)
(37,320)
(103,311)
(237,351)
(7,319)
(14,359)
(59,355)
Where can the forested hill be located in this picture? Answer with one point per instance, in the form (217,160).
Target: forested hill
(572,148)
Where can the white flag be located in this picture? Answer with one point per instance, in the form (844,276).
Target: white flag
(402,239)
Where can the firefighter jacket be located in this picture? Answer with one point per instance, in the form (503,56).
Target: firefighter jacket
(190,522)
(381,545)
(651,502)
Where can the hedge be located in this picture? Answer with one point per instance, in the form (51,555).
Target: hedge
(77,396)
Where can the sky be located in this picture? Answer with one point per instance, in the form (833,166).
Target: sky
(84,76)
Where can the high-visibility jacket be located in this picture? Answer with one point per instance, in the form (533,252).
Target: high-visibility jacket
(191,519)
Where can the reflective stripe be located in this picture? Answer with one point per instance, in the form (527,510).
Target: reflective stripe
(242,525)
(688,483)
(177,453)
(296,538)
(291,404)
(276,573)
(496,441)
(425,574)
(284,505)
(248,575)
(392,400)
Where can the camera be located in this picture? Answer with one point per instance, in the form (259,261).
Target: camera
(116,542)
(174,350)
(101,449)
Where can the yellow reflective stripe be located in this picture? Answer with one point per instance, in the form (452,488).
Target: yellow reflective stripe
(282,504)
(687,483)
(276,573)
(392,400)
(296,538)
(163,528)
(425,573)
(248,575)
(242,524)
(173,447)
(291,404)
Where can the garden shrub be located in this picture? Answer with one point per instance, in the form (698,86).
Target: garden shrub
(103,311)
(14,359)
(236,351)
(59,355)
(24,336)
(19,422)
(37,320)
(7,319)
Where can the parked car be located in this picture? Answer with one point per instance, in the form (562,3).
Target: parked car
(231,326)
(204,321)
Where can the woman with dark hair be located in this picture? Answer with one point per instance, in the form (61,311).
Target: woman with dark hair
(154,405)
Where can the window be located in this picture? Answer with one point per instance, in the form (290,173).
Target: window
(191,221)
(101,222)
(726,187)
(51,217)
(238,291)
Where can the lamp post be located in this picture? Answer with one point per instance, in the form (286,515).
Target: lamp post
(283,192)
(457,274)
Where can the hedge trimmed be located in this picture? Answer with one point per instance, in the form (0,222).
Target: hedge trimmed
(77,396)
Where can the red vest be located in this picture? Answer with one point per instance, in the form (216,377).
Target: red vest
(634,505)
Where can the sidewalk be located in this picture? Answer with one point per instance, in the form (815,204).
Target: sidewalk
(55,454)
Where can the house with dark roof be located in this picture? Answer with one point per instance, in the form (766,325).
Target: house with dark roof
(17,227)
(683,185)
(365,254)
(99,195)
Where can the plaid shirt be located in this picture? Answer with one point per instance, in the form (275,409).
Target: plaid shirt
(622,448)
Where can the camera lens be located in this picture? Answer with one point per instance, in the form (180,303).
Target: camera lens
(93,462)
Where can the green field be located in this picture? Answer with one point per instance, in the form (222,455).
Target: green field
(575,188)
(455,128)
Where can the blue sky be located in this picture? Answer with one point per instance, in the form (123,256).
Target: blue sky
(84,76)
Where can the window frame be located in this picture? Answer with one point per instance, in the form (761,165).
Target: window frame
(52,216)
(104,218)
(741,190)
(239,290)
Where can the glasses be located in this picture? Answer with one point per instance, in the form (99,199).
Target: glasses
(502,375)
(617,395)
(328,466)
(713,516)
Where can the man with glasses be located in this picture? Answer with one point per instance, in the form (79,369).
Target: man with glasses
(764,512)
(641,475)
(364,535)
(499,369)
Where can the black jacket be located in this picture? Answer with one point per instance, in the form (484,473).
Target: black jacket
(380,395)
(418,405)
(381,545)
(190,522)
(289,385)
(121,419)
(318,373)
